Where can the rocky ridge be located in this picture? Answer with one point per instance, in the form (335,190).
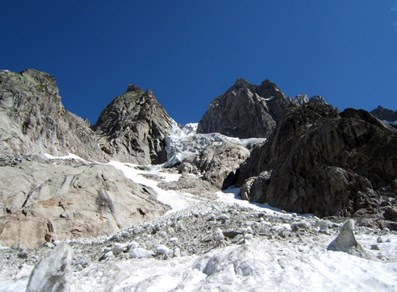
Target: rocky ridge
(385,114)
(246,110)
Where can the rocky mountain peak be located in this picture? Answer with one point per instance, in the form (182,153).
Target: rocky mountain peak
(245,110)
(133,87)
(385,114)
(33,119)
(317,99)
(241,83)
(43,85)
(300,99)
(268,89)
(133,127)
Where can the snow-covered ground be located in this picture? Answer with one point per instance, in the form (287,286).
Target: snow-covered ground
(260,263)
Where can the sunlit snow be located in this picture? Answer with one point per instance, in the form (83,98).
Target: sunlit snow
(177,201)
(69,156)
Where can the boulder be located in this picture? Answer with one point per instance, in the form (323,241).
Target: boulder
(191,184)
(346,241)
(219,161)
(50,200)
(52,273)
(140,253)
(133,128)
(33,119)
(390,213)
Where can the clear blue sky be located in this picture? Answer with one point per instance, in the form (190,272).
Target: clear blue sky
(188,52)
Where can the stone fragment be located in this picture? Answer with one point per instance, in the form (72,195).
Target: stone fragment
(390,213)
(53,272)
(141,253)
(162,250)
(346,241)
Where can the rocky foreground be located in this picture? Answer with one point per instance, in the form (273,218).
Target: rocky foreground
(224,244)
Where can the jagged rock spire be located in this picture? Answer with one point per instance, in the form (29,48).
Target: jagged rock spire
(245,110)
(133,127)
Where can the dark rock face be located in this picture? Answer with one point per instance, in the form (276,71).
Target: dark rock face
(318,161)
(133,127)
(33,119)
(384,114)
(245,110)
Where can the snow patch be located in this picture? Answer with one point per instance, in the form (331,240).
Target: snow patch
(66,157)
(190,129)
(177,201)
(231,196)
(262,264)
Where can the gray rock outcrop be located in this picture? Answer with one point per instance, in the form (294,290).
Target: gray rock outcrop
(53,272)
(133,128)
(245,110)
(322,162)
(300,99)
(191,184)
(219,161)
(46,200)
(33,119)
(346,241)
